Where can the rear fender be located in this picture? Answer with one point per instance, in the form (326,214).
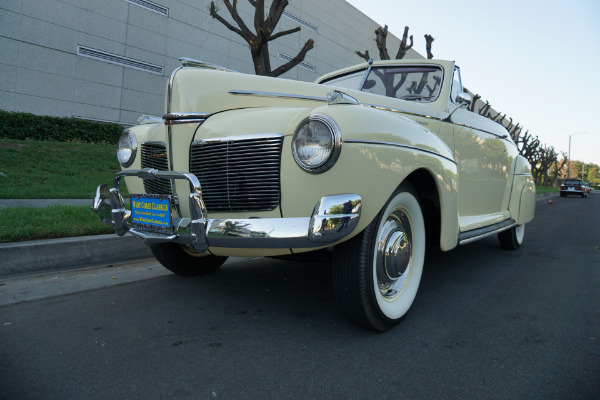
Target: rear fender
(522,199)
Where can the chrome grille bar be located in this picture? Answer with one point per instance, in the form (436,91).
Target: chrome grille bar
(239,173)
(154,155)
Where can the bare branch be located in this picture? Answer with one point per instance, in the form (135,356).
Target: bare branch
(364,55)
(475,98)
(428,40)
(380,40)
(215,15)
(275,12)
(283,33)
(294,61)
(237,18)
(403,47)
(263,33)
(259,17)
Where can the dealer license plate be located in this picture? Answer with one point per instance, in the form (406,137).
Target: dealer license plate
(151,212)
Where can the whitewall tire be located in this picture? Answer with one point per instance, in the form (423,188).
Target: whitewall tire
(377,273)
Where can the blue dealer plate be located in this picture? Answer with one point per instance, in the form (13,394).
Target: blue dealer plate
(151,212)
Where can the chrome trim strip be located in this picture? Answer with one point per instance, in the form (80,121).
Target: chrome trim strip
(184,118)
(170,88)
(406,146)
(480,233)
(396,110)
(481,130)
(148,119)
(241,137)
(169,133)
(279,95)
(190,62)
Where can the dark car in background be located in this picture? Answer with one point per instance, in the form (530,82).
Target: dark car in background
(573,186)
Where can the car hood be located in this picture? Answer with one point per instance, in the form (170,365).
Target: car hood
(196,90)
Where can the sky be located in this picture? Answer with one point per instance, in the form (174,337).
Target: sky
(537,61)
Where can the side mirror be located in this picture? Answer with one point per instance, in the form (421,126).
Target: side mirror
(464,99)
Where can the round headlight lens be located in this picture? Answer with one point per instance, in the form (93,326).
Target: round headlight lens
(316,144)
(127,148)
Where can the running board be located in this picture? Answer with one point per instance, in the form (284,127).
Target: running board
(480,233)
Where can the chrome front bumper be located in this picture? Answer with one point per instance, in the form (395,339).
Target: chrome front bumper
(327,224)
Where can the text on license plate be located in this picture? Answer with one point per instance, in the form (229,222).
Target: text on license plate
(151,212)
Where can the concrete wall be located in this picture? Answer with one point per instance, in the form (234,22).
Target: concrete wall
(42,71)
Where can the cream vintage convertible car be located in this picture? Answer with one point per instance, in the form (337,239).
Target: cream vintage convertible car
(369,163)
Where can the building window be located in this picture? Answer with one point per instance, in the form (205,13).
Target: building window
(118,60)
(302,64)
(300,21)
(150,6)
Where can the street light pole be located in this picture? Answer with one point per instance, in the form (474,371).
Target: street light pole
(569,158)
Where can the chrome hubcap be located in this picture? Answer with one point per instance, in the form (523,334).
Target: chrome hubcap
(394,251)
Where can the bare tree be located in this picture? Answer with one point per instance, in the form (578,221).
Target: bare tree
(559,168)
(259,38)
(381,41)
(546,156)
(388,79)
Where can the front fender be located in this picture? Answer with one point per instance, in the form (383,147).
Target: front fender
(380,150)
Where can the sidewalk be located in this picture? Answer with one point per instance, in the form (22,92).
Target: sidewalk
(38,256)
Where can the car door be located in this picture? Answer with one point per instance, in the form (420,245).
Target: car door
(485,156)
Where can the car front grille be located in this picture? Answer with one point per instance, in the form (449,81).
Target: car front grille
(240,174)
(154,155)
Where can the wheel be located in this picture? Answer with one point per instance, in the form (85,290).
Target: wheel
(376,274)
(184,260)
(512,238)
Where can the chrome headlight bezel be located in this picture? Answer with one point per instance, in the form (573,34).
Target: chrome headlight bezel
(326,161)
(127,148)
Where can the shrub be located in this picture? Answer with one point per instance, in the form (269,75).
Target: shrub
(24,126)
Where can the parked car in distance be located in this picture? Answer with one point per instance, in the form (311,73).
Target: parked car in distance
(367,164)
(573,186)
(588,188)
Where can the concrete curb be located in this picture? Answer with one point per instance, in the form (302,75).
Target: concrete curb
(58,254)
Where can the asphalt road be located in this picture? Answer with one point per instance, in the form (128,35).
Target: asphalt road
(486,324)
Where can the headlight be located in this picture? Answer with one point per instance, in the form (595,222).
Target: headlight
(127,148)
(317,144)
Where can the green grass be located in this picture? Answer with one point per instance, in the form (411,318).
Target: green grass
(54,170)
(546,189)
(25,223)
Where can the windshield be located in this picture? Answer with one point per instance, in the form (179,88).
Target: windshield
(416,83)
(572,182)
